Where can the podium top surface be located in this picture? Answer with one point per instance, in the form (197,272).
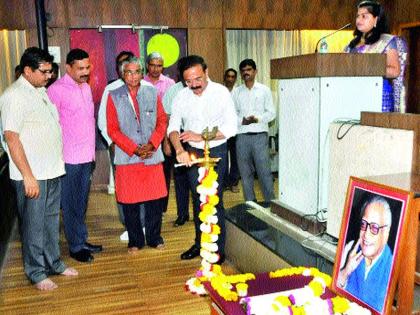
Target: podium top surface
(328,65)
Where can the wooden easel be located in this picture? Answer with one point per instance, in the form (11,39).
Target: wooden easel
(406,266)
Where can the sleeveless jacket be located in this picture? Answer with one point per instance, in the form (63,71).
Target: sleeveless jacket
(141,130)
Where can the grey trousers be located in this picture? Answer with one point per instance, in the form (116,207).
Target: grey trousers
(40,229)
(252,151)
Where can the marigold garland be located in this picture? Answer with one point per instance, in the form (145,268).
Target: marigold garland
(234,286)
(209,270)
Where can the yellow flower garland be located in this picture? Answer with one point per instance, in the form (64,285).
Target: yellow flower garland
(223,284)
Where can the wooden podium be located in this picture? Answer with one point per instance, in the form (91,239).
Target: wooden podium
(328,65)
(314,91)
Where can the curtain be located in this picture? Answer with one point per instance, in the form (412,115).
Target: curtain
(262,46)
(336,42)
(12,46)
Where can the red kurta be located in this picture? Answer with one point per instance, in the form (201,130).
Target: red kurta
(137,182)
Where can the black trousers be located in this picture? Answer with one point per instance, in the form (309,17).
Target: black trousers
(153,223)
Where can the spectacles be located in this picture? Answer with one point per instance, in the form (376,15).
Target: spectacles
(198,80)
(374,227)
(45,71)
(132,72)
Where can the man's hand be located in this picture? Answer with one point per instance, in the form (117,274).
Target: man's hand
(31,187)
(190,136)
(182,156)
(249,120)
(167,147)
(354,259)
(144,151)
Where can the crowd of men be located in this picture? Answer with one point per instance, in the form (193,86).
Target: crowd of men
(149,123)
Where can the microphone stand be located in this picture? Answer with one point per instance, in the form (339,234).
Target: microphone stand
(328,35)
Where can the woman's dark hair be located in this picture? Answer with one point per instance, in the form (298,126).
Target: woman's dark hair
(381,27)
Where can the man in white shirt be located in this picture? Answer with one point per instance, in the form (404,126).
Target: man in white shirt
(182,190)
(202,104)
(232,173)
(254,106)
(33,142)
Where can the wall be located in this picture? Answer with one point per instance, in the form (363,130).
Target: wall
(204,19)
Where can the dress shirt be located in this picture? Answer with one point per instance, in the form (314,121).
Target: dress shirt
(29,112)
(169,96)
(256,101)
(102,107)
(75,107)
(162,84)
(214,107)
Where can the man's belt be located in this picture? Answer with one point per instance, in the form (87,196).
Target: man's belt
(254,133)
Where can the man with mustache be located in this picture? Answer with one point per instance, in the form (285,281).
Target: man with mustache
(255,109)
(33,137)
(73,98)
(202,104)
(367,270)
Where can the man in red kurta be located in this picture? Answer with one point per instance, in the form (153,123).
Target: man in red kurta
(137,123)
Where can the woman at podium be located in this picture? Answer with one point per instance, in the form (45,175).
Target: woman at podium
(371,36)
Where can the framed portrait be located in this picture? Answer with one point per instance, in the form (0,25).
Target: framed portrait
(368,247)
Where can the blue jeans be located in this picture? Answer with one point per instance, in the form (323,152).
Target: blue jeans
(39,219)
(74,198)
(219,151)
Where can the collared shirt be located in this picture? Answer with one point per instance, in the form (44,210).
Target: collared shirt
(256,101)
(162,84)
(29,112)
(102,107)
(75,107)
(369,267)
(169,96)
(214,107)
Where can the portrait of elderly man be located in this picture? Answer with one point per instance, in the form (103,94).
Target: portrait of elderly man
(136,123)
(367,269)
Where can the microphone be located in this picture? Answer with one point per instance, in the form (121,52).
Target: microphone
(328,35)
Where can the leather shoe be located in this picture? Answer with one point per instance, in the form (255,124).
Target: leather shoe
(92,248)
(82,255)
(181,220)
(191,253)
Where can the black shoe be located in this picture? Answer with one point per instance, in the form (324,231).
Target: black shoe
(92,248)
(181,220)
(82,255)
(191,253)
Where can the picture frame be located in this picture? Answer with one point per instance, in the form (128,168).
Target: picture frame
(368,249)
